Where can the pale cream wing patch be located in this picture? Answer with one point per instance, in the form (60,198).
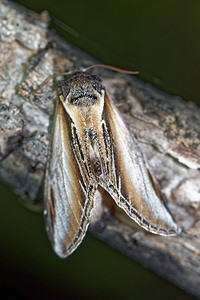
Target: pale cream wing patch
(68,195)
(128,180)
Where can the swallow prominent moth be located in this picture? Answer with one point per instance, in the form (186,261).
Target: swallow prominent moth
(92,147)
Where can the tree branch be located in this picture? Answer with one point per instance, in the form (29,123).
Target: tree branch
(167,128)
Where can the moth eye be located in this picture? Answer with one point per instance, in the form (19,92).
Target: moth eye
(65,88)
(96,83)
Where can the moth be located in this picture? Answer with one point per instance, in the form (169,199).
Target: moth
(91,148)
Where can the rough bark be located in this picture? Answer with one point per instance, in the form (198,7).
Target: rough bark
(167,128)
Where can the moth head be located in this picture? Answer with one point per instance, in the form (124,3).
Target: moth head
(81,89)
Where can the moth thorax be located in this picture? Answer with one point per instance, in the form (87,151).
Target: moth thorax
(82,100)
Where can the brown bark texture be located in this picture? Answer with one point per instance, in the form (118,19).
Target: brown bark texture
(167,129)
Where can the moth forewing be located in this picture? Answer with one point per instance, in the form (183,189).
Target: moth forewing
(91,146)
(134,190)
(68,197)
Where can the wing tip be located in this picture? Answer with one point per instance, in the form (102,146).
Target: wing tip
(61,252)
(171,231)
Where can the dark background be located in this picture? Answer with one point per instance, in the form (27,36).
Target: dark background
(161,40)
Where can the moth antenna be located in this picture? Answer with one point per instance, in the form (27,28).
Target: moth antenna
(111,68)
(70,72)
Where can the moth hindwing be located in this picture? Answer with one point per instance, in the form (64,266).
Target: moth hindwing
(92,147)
